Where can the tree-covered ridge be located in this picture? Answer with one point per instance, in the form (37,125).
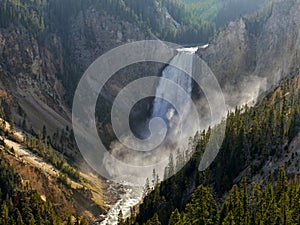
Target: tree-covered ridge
(170,20)
(29,13)
(208,9)
(277,203)
(167,19)
(221,12)
(185,27)
(19,205)
(252,136)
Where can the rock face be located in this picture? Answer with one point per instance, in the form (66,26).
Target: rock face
(32,66)
(247,57)
(28,71)
(243,58)
(251,56)
(93,33)
(278,45)
(31,69)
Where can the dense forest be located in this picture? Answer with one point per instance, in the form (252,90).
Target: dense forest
(55,15)
(252,135)
(277,203)
(220,12)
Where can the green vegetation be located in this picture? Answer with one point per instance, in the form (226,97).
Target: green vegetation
(29,13)
(220,12)
(278,203)
(19,205)
(252,136)
(39,143)
(190,21)
(39,147)
(183,27)
(169,20)
(149,15)
(207,9)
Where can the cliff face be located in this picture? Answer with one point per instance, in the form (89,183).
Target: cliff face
(28,71)
(248,57)
(93,33)
(278,45)
(251,56)
(32,66)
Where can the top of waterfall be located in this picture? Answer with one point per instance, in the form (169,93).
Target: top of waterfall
(188,50)
(192,49)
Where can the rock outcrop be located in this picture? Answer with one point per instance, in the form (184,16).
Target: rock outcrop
(28,71)
(251,55)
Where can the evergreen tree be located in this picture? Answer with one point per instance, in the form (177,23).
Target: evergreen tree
(19,218)
(203,208)
(175,218)
(4,214)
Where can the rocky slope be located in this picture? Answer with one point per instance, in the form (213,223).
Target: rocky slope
(41,69)
(93,33)
(248,58)
(39,72)
(253,54)
(28,72)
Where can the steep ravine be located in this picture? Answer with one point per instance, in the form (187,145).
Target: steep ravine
(244,60)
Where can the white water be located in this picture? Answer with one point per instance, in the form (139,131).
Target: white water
(183,59)
(132,196)
(162,109)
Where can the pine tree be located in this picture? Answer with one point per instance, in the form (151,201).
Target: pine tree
(229,219)
(19,218)
(154,178)
(281,184)
(147,188)
(233,210)
(202,209)
(245,204)
(171,168)
(4,214)
(155,220)
(175,218)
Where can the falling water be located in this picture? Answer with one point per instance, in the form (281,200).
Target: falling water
(164,110)
(184,59)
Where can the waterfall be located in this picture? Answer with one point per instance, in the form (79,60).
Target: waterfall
(164,110)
